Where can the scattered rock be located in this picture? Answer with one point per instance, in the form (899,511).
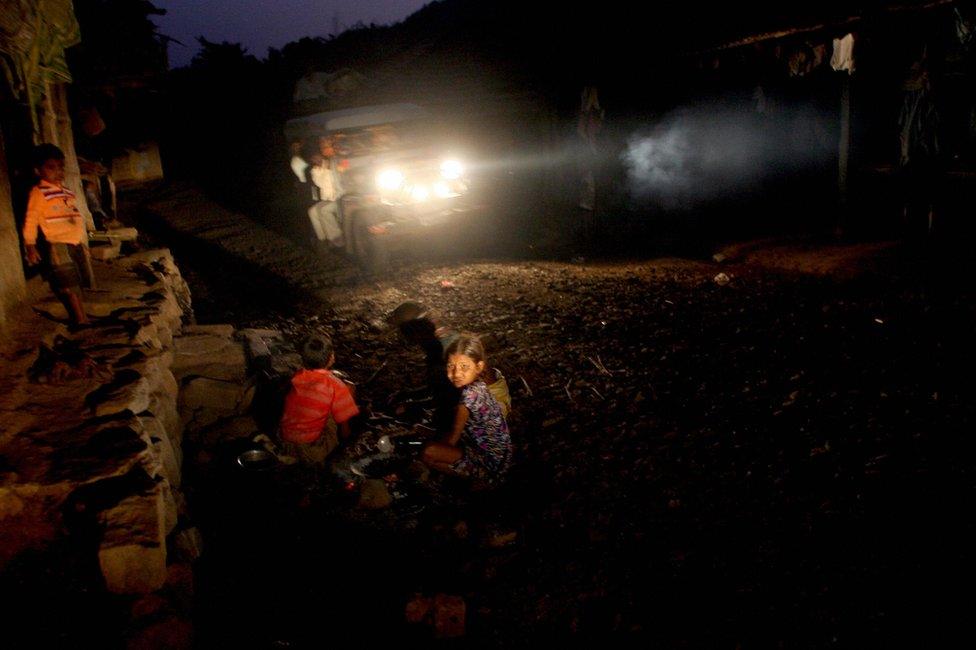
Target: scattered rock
(11,504)
(122,234)
(146,606)
(127,391)
(189,544)
(374,495)
(107,251)
(170,633)
(448,616)
(237,428)
(205,355)
(418,609)
(180,585)
(132,554)
(204,401)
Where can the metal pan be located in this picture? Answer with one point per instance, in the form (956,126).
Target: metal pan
(256,459)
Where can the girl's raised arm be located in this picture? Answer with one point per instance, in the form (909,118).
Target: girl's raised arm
(460,419)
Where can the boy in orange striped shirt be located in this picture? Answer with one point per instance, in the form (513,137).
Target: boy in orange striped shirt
(51,210)
(318,406)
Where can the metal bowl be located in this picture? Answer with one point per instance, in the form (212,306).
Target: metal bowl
(256,459)
(378,465)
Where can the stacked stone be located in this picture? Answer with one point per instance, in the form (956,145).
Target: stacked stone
(106,449)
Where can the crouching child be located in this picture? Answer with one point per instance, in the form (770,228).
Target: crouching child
(478,445)
(318,406)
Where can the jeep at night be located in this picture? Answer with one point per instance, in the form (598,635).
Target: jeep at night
(399,176)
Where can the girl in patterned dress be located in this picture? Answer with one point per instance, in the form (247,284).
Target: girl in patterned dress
(479,445)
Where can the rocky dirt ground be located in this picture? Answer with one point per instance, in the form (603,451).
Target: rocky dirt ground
(783,459)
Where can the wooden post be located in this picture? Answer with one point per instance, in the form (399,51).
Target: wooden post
(844,153)
(56,129)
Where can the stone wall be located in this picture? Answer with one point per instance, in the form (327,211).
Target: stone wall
(93,459)
(105,448)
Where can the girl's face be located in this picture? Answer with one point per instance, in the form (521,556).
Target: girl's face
(462,369)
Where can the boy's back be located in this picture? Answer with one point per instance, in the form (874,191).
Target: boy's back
(315,395)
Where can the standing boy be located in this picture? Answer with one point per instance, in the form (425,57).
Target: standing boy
(51,209)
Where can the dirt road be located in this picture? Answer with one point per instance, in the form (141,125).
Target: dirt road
(784,458)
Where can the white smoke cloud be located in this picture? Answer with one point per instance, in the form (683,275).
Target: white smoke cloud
(699,154)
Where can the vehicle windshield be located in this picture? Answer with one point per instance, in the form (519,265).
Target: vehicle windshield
(372,140)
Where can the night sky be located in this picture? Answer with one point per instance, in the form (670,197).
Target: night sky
(260,24)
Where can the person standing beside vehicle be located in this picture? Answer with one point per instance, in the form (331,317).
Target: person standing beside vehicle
(300,198)
(588,127)
(326,190)
(297,163)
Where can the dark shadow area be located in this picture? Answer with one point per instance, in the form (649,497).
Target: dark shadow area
(229,287)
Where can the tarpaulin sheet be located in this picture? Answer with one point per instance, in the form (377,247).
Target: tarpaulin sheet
(33,37)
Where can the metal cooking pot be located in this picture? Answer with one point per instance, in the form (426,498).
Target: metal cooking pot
(257,459)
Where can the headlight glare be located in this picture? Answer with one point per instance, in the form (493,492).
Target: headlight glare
(389,179)
(451,169)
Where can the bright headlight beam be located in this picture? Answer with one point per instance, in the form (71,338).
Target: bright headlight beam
(451,169)
(420,193)
(389,179)
(441,189)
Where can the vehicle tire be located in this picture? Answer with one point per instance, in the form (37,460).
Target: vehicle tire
(371,251)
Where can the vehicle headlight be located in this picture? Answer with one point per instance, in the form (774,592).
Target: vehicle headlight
(451,169)
(389,179)
(442,190)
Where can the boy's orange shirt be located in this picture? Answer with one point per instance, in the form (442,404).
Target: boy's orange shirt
(315,395)
(51,208)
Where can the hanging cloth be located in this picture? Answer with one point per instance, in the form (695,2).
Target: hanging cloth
(843,58)
(918,121)
(33,38)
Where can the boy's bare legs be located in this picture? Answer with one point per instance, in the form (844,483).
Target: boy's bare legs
(72,303)
(83,260)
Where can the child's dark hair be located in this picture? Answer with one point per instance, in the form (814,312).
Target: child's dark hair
(45,152)
(469,345)
(408,310)
(309,150)
(414,322)
(316,350)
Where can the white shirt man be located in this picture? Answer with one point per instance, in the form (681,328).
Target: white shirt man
(324,215)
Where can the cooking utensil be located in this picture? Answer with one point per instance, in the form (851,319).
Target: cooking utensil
(256,459)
